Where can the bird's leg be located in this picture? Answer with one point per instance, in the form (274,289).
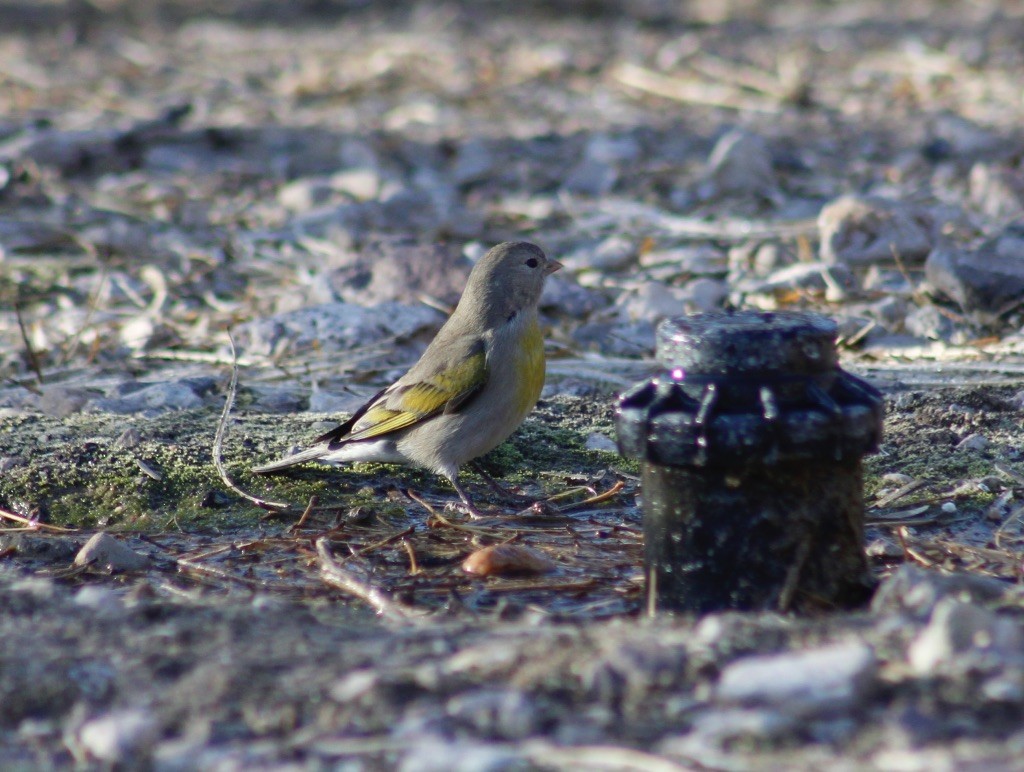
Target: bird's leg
(470,506)
(500,489)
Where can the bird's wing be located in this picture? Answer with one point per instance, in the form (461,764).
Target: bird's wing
(425,391)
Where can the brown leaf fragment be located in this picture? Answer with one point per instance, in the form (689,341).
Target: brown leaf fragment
(506,559)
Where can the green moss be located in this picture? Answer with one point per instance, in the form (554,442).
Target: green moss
(75,471)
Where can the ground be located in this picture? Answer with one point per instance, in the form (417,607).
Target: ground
(315,179)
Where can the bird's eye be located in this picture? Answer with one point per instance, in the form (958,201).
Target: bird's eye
(532,262)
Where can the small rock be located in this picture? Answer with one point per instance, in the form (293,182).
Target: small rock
(704,294)
(997,191)
(600,442)
(958,629)
(928,322)
(982,282)
(860,230)
(613,149)
(129,438)
(474,161)
(916,592)
(334,327)
(740,165)
(507,559)
(817,276)
(698,260)
(973,442)
(652,301)
(105,551)
(360,184)
(565,297)
(956,136)
(272,398)
(884,548)
(497,714)
(120,736)
(725,727)
(62,401)
(323,401)
(427,753)
(629,339)
(612,254)
(98,599)
(832,679)
(400,270)
(591,177)
(149,398)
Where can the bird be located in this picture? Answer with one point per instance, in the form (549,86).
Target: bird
(473,386)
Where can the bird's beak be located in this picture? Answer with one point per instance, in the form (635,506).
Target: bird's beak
(552,266)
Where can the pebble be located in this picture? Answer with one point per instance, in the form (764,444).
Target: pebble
(400,270)
(334,327)
(498,713)
(612,254)
(97,598)
(860,230)
(915,591)
(956,136)
(928,322)
(120,736)
(564,297)
(883,548)
(973,442)
(507,560)
(981,281)
(104,551)
(601,442)
(817,275)
(696,260)
(704,294)
(959,633)
(740,164)
(62,401)
(721,727)
(997,191)
(591,177)
(652,301)
(150,398)
(833,679)
(436,754)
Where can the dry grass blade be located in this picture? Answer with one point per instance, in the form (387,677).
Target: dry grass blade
(218,445)
(342,579)
(30,354)
(690,90)
(34,525)
(313,501)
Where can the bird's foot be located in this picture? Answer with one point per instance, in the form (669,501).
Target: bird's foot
(511,496)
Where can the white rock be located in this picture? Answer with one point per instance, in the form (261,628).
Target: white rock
(612,254)
(832,679)
(106,551)
(118,736)
(652,301)
(704,294)
(335,327)
(860,230)
(973,442)
(957,630)
(600,442)
(740,165)
(998,192)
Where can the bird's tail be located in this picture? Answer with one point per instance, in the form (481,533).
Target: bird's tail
(311,454)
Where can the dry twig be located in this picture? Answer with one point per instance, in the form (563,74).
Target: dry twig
(342,579)
(218,444)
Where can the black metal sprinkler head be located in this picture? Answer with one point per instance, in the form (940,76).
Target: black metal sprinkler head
(751,442)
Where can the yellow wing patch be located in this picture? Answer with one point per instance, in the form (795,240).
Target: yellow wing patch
(407,406)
